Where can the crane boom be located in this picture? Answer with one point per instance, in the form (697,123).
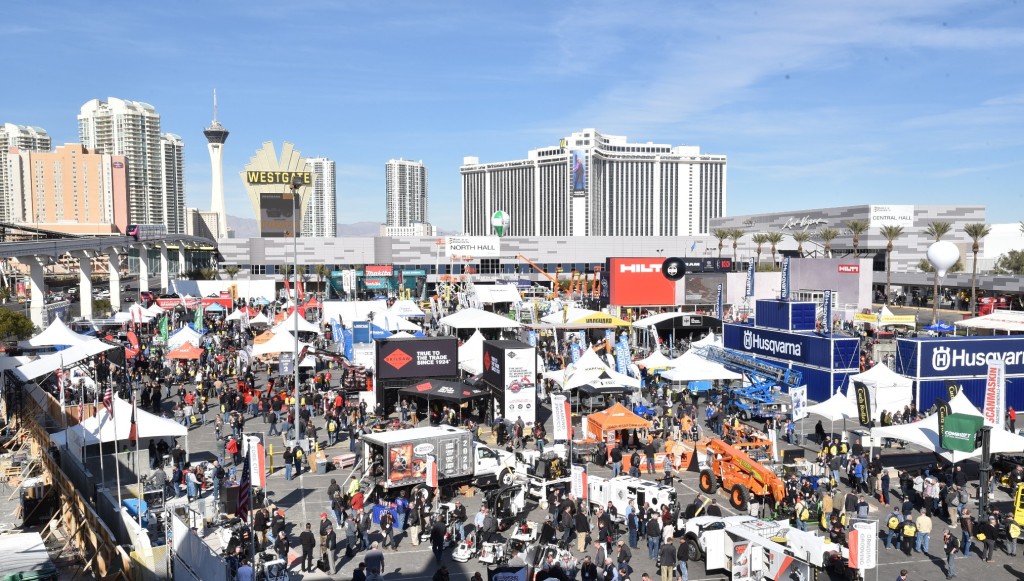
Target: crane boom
(542,271)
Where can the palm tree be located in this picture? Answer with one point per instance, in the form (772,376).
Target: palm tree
(322,272)
(231,270)
(976,232)
(760,239)
(856,228)
(774,238)
(735,235)
(827,235)
(800,237)
(890,233)
(937,230)
(721,234)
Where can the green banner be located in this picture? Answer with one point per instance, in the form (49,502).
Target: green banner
(960,431)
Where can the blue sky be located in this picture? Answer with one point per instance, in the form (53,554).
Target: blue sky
(815,103)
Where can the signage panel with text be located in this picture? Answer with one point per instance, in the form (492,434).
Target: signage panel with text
(421,357)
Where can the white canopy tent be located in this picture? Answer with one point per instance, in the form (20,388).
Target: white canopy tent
(837,407)
(708,340)
(925,433)
(692,367)
(402,335)
(406,309)
(57,333)
(281,342)
(7,362)
(497,293)
(289,323)
(184,335)
(566,315)
(236,315)
(477,319)
(889,390)
(471,354)
(589,368)
(347,312)
(101,427)
(1005,321)
(259,319)
(396,323)
(653,320)
(155,310)
(656,360)
(70,356)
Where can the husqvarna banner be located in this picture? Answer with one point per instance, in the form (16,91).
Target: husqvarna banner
(994,409)
(560,417)
(949,357)
(751,270)
(784,288)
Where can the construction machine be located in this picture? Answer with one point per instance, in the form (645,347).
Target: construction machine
(739,475)
(554,279)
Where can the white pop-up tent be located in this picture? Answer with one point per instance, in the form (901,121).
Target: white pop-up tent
(281,342)
(589,368)
(289,323)
(889,390)
(395,323)
(184,335)
(656,360)
(259,319)
(57,333)
(566,315)
(477,319)
(471,354)
(838,407)
(692,367)
(406,308)
(102,428)
(70,356)
(925,433)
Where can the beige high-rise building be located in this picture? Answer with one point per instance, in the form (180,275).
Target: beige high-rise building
(155,159)
(69,190)
(26,139)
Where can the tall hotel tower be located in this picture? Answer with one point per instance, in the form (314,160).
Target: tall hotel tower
(216,135)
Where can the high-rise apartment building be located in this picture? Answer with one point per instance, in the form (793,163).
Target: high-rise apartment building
(597,185)
(70,190)
(25,139)
(203,224)
(319,219)
(132,129)
(406,193)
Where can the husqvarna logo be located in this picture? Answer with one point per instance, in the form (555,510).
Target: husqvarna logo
(941,358)
(748,340)
(640,268)
(776,347)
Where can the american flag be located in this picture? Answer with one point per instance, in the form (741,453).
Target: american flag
(108,402)
(244,490)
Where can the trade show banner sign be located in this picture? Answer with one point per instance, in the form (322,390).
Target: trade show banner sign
(531,337)
(360,331)
(767,343)
(994,409)
(560,417)
(799,396)
(579,480)
(943,409)
(512,367)
(622,355)
(475,246)
(863,402)
(964,356)
(828,310)
(253,449)
(751,270)
(508,574)
(741,569)
(719,307)
(863,548)
(960,432)
(422,357)
(784,287)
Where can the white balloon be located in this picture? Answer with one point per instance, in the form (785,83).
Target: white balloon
(943,255)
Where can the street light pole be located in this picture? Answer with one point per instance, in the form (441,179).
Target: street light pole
(296,207)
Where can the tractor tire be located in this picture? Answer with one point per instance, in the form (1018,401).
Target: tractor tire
(691,550)
(740,497)
(422,491)
(708,482)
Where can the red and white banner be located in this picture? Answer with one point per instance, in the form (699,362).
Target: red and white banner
(994,409)
(252,447)
(863,550)
(849,269)
(579,481)
(431,475)
(560,415)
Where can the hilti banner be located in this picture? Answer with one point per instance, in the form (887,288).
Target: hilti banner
(560,416)
(994,409)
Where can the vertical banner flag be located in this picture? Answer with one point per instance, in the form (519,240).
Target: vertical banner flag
(863,547)
(244,490)
(346,341)
(799,396)
(622,354)
(163,329)
(943,409)
(133,431)
(60,386)
(531,337)
(828,311)
(719,307)
(335,330)
(255,452)
(751,270)
(583,339)
(784,290)
(577,352)
(994,409)
(579,481)
(198,324)
(108,402)
(560,416)
(609,336)
(863,402)
(952,388)
(431,475)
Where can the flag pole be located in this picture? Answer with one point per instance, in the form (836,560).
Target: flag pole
(117,464)
(96,412)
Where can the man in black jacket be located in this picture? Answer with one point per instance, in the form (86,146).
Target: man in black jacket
(582,528)
(616,456)
(653,535)
(281,546)
(437,539)
(588,570)
(308,543)
(668,561)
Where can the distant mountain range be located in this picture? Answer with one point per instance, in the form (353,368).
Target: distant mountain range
(246,228)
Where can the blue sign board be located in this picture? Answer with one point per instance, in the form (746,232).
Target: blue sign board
(361,332)
(939,357)
(751,269)
(346,341)
(776,344)
(784,291)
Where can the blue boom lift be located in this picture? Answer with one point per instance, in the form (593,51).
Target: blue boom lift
(757,400)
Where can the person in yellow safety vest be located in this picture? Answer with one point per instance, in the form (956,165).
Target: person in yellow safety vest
(353,486)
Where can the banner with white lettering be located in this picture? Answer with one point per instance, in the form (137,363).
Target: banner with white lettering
(560,417)
(622,355)
(579,481)
(751,270)
(531,337)
(577,352)
(828,311)
(508,574)
(994,409)
(784,290)
(863,402)
(719,307)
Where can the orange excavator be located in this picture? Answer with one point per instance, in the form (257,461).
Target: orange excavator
(740,476)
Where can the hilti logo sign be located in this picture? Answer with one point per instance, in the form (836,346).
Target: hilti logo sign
(638,268)
(398,359)
(849,269)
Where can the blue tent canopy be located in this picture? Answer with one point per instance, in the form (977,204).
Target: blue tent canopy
(940,327)
(215,308)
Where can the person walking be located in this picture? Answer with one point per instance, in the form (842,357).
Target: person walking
(374,560)
(387,529)
(668,561)
(684,574)
(308,542)
(437,540)
(281,546)
(952,547)
(987,532)
(967,526)
(288,461)
(924,531)
(582,530)
(351,536)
